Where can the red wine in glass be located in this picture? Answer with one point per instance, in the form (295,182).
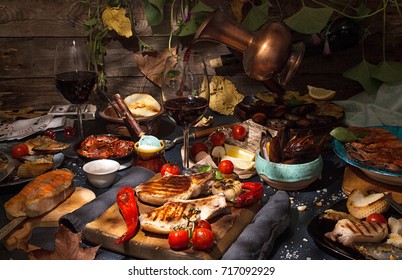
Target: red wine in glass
(76,86)
(186,111)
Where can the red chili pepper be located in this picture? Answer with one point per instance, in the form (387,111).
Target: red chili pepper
(128,206)
(252,195)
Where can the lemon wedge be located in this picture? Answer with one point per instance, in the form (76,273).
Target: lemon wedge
(240,153)
(240,164)
(320,93)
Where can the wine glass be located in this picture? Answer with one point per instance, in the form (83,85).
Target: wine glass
(75,74)
(185,94)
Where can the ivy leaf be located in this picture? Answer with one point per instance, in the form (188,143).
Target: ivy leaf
(115,19)
(67,247)
(388,72)
(154,11)
(362,74)
(188,28)
(201,7)
(256,17)
(362,10)
(309,20)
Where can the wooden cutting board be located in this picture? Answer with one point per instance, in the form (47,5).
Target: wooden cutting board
(354,178)
(19,238)
(144,245)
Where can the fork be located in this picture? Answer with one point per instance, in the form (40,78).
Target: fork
(393,203)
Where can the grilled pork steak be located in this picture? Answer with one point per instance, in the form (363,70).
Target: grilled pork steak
(164,219)
(348,232)
(159,191)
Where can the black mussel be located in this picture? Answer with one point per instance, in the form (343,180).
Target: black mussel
(302,110)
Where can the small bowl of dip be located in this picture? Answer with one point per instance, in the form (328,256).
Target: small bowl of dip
(147,152)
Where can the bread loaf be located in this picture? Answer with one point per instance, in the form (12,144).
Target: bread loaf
(361,204)
(42,194)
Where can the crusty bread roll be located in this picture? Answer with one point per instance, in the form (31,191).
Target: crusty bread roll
(361,204)
(142,105)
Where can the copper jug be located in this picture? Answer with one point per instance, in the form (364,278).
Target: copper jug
(266,53)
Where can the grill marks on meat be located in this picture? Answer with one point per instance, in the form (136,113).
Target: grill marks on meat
(165,218)
(158,192)
(348,232)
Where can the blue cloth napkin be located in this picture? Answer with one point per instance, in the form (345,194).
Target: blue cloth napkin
(77,219)
(258,238)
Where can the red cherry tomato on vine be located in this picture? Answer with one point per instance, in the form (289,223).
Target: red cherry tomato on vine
(226,166)
(178,239)
(217,138)
(202,239)
(20,150)
(170,169)
(376,217)
(69,132)
(203,224)
(239,132)
(50,133)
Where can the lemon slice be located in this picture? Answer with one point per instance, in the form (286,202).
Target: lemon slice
(240,164)
(240,153)
(320,93)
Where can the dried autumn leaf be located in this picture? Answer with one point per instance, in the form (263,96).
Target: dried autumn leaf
(115,19)
(237,9)
(151,64)
(67,247)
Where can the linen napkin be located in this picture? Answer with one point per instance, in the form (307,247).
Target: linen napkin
(258,238)
(76,220)
(383,108)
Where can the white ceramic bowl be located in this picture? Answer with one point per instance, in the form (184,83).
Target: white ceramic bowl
(288,176)
(101,173)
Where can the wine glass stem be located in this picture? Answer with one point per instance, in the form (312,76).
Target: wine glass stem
(80,127)
(186,164)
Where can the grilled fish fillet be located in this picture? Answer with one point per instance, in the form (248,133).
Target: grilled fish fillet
(349,232)
(159,191)
(164,219)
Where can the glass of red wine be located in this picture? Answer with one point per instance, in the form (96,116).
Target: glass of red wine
(185,94)
(75,74)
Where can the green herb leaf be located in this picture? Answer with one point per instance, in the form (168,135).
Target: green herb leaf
(201,7)
(218,175)
(362,74)
(343,134)
(309,20)
(205,168)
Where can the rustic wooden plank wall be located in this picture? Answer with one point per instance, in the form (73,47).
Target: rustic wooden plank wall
(30,29)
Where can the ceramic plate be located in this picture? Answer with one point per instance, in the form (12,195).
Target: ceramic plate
(13,180)
(318,227)
(383,176)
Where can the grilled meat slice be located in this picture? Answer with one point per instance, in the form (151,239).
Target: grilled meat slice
(164,219)
(159,191)
(348,232)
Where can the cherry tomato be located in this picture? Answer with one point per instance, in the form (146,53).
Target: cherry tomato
(198,147)
(202,239)
(217,138)
(170,169)
(19,150)
(239,132)
(178,239)
(376,217)
(226,166)
(50,133)
(69,132)
(203,224)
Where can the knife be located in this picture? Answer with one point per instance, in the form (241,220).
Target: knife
(10,226)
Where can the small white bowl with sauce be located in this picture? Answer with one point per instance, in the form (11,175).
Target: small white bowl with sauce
(101,173)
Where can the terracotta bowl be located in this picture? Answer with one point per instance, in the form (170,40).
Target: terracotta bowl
(288,177)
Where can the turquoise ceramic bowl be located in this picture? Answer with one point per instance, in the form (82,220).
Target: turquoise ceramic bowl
(288,176)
